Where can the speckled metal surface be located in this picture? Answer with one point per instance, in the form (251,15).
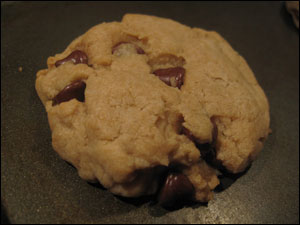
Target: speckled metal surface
(38,187)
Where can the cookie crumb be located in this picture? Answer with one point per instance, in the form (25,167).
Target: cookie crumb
(20,68)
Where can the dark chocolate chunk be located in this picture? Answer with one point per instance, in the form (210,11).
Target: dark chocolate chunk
(73,90)
(171,76)
(176,190)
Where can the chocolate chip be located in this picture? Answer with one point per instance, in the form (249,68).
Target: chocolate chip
(122,47)
(176,190)
(171,76)
(76,57)
(74,90)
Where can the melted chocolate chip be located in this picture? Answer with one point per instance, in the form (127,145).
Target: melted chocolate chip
(171,76)
(74,90)
(76,57)
(176,190)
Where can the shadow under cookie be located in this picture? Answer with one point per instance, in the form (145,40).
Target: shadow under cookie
(227,179)
(138,201)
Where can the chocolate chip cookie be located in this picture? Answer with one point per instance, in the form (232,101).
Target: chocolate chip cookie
(146,104)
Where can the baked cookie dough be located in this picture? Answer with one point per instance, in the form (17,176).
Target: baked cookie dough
(139,105)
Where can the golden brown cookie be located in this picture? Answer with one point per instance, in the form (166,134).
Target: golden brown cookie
(132,102)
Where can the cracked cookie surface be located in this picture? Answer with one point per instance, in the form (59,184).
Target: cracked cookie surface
(126,101)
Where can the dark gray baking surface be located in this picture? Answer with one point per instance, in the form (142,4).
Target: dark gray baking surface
(38,187)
